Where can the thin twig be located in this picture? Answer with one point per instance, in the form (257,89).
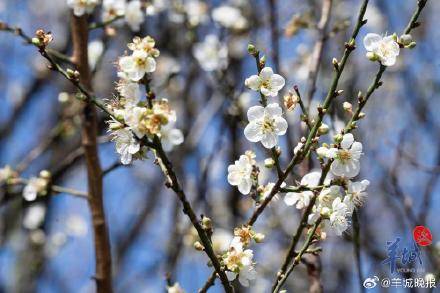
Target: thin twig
(209,283)
(318,50)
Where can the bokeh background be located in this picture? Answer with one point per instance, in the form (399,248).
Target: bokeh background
(46,246)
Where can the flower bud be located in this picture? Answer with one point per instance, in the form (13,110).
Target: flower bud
(206,223)
(406,39)
(263,61)
(325,212)
(259,237)
(70,73)
(251,49)
(278,151)
(198,246)
(36,42)
(348,107)
(335,63)
(372,57)
(361,115)
(290,101)
(337,138)
(412,45)
(63,97)
(45,174)
(269,163)
(323,129)
(322,151)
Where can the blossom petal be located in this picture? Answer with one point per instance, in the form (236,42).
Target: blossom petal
(176,136)
(356,150)
(274,109)
(277,82)
(280,125)
(253,82)
(347,141)
(266,73)
(245,186)
(231,275)
(255,112)
(269,140)
(389,61)
(253,132)
(150,65)
(371,40)
(291,198)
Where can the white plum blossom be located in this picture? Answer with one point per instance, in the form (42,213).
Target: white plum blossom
(267,189)
(265,124)
(229,17)
(327,196)
(211,53)
(237,256)
(301,199)
(247,273)
(240,173)
(196,12)
(34,186)
(34,216)
(134,15)
(384,49)
(112,9)
(170,136)
(324,202)
(126,144)
(338,216)
(130,91)
(95,50)
(136,65)
(133,117)
(80,7)
(239,261)
(346,158)
(357,191)
(268,83)
(154,7)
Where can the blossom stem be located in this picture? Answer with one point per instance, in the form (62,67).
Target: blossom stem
(303,107)
(309,239)
(363,100)
(97,25)
(209,283)
(413,23)
(174,184)
(300,188)
(54,188)
(19,32)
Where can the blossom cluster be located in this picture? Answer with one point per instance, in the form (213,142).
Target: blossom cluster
(131,11)
(136,118)
(238,259)
(336,194)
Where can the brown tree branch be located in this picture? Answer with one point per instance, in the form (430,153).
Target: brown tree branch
(94,172)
